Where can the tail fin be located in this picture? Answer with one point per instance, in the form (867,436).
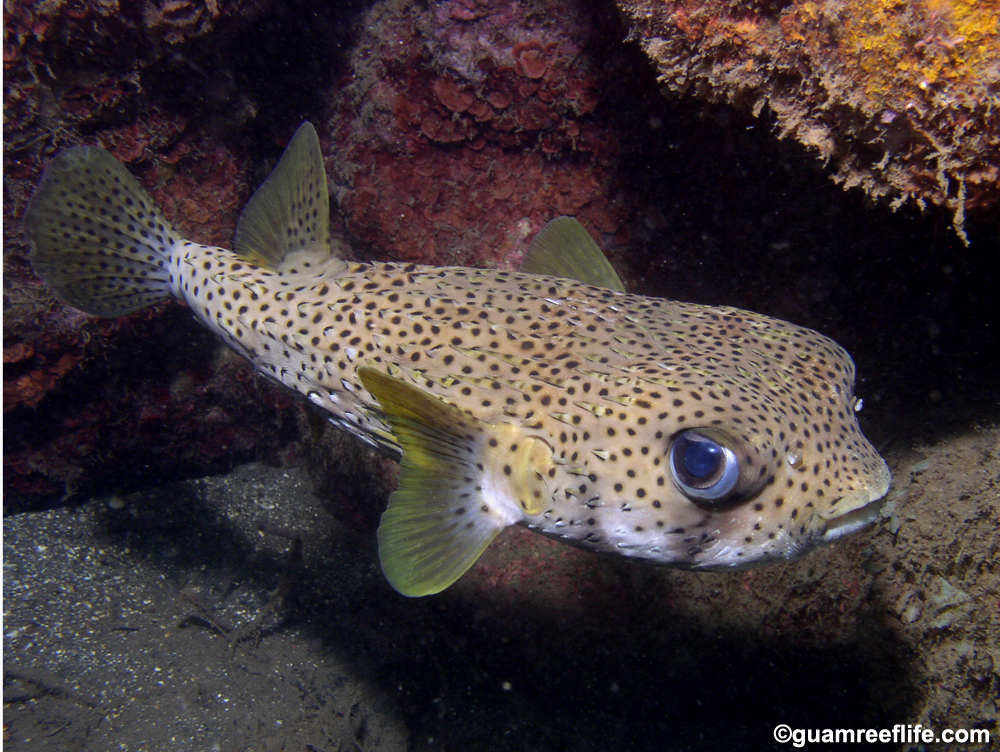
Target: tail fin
(97,238)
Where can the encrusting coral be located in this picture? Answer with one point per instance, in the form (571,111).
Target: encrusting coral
(901,97)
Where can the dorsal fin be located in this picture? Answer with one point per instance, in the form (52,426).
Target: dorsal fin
(563,248)
(291,210)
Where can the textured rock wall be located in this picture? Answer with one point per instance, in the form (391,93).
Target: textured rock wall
(113,402)
(901,97)
(467,124)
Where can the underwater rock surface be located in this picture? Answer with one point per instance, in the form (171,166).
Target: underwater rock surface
(465,125)
(87,400)
(901,98)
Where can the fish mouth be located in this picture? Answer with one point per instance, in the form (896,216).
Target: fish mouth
(865,505)
(845,524)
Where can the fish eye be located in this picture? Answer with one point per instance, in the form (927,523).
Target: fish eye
(703,467)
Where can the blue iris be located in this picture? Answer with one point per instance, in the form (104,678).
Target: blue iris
(704,465)
(702,458)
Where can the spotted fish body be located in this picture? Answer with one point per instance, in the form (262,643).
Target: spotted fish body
(685,435)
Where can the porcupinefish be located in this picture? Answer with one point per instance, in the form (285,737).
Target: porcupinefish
(692,436)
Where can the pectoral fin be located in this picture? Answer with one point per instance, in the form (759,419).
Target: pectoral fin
(457,490)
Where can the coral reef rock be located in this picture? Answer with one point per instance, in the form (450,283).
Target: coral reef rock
(467,124)
(902,98)
(84,398)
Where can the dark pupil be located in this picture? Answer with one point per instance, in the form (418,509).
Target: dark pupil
(702,458)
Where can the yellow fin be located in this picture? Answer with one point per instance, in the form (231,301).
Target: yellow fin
(291,210)
(563,248)
(439,520)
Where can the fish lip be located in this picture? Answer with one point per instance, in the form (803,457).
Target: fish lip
(861,516)
(850,522)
